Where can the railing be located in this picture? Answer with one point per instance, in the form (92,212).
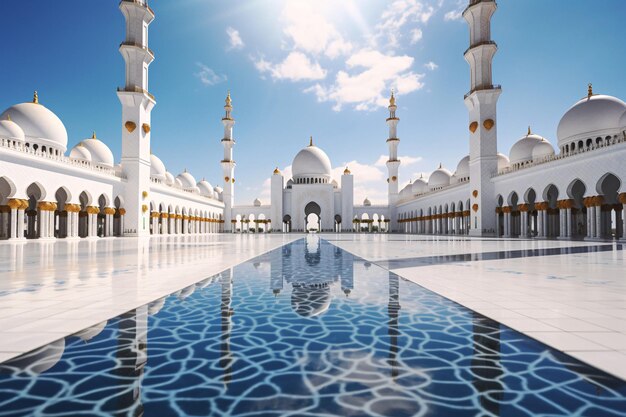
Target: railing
(487,87)
(138,45)
(180,188)
(476,45)
(140,3)
(19,147)
(136,89)
(517,167)
(433,191)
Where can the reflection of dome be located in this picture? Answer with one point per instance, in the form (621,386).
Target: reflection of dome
(522,150)
(186,292)
(36,362)
(11,130)
(310,301)
(206,189)
(100,153)
(156,306)
(595,115)
(439,178)
(81,153)
(157,168)
(419,186)
(542,150)
(311,162)
(91,332)
(39,124)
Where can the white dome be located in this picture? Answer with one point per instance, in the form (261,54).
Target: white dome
(542,150)
(218,189)
(206,189)
(256,202)
(462,169)
(81,153)
(406,191)
(622,121)
(187,180)
(169,178)
(39,124)
(178,182)
(157,168)
(100,153)
(419,186)
(367,202)
(597,115)
(522,150)
(503,161)
(439,178)
(311,162)
(11,130)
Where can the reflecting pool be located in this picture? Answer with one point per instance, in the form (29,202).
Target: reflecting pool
(304,330)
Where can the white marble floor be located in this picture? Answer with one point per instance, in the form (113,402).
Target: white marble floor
(568,295)
(49,290)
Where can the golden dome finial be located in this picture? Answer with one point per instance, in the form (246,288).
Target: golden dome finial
(440,165)
(392,99)
(346,171)
(529,131)
(9,117)
(35,97)
(229,101)
(311,141)
(93,135)
(589,90)
(276,171)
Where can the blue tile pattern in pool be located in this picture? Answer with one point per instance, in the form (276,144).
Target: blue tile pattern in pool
(305,330)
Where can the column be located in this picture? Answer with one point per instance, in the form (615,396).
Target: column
(122,213)
(108,222)
(92,221)
(523,211)
(622,200)
(598,200)
(498,211)
(507,221)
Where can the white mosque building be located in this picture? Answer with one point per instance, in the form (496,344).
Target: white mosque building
(575,190)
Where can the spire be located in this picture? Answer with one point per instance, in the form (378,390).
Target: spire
(93,135)
(392,99)
(228,107)
(35,97)
(346,171)
(276,171)
(229,101)
(9,117)
(440,165)
(529,132)
(311,141)
(589,90)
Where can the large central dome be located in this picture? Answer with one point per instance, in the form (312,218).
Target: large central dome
(311,162)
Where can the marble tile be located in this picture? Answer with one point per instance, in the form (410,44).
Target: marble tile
(612,340)
(567,342)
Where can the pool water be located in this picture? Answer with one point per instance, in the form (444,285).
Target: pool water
(305,330)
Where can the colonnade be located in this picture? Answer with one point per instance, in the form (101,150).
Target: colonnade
(453,223)
(174,224)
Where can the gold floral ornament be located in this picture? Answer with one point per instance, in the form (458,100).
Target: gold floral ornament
(394,178)
(473,126)
(475,193)
(144,194)
(226,179)
(488,124)
(144,208)
(475,208)
(130,126)
(146,128)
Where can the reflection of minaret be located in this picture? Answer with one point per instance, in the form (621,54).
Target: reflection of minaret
(486,363)
(393,308)
(346,268)
(132,357)
(226,357)
(276,271)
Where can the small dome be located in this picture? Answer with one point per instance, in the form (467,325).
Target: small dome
(406,191)
(81,153)
(256,202)
(542,150)
(218,189)
(11,130)
(178,182)
(187,180)
(206,189)
(419,186)
(503,161)
(169,178)
(439,178)
(310,301)
(594,115)
(522,150)
(311,162)
(462,169)
(334,183)
(367,202)
(157,168)
(100,153)
(40,125)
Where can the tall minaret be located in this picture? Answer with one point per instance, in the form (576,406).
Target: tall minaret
(137,103)
(481,102)
(393,164)
(228,165)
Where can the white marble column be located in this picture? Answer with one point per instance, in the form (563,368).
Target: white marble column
(598,230)
(623,219)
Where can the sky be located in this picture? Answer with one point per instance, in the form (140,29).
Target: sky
(300,68)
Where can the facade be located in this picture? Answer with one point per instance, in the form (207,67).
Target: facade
(575,190)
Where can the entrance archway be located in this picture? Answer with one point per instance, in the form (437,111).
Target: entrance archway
(312,217)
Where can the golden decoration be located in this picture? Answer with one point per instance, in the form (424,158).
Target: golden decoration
(93,135)
(24,205)
(622,198)
(394,178)
(276,171)
(473,126)
(146,128)
(232,180)
(130,126)
(346,171)
(144,194)
(109,210)
(589,90)
(475,193)
(93,210)
(164,215)
(392,100)
(35,97)
(144,208)
(475,207)
(226,179)
(121,211)
(14,203)
(154,214)
(488,124)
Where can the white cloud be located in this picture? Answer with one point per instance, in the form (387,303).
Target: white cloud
(295,67)
(372,76)
(431,65)
(207,76)
(457,13)
(416,36)
(405,160)
(234,38)
(398,14)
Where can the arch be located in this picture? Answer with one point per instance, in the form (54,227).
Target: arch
(118,202)
(513,199)
(499,200)
(530,196)
(85,199)
(608,184)
(551,195)
(576,190)
(36,191)
(7,189)
(312,207)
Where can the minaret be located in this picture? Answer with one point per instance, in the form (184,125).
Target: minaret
(276,193)
(393,164)
(481,102)
(228,165)
(137,104)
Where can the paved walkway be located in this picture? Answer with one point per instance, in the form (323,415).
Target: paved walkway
(568,295)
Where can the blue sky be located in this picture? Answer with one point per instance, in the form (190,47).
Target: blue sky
(289,82)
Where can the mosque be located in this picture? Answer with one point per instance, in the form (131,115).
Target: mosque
(573,191)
